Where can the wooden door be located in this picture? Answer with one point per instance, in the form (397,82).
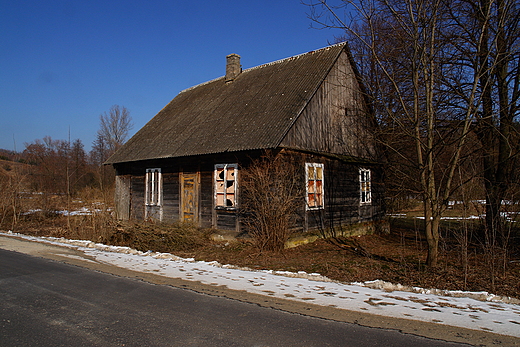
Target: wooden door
(189,197)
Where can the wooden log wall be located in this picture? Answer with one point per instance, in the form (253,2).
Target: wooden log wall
(341,180)
(171,197)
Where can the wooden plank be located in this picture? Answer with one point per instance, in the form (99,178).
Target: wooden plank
(122,197)
(226,220)
(171,197)
(137,197)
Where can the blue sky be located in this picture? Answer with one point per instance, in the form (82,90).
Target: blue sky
(63,63)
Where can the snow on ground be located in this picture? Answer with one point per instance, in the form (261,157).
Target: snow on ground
(511,217)
(97,207)
(477,311)
(79,212)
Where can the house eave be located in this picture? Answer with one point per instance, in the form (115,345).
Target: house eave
(341,157)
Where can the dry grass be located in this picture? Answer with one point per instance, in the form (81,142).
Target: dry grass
(101,227)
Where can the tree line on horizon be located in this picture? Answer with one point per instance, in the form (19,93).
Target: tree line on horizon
(55,166)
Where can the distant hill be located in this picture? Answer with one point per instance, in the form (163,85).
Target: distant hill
(6,154)
(9,167)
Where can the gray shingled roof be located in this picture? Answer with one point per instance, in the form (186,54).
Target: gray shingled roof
(254,111)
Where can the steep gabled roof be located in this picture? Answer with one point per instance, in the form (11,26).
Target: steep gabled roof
(254,111)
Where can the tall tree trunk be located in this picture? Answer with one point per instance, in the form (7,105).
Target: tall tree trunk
(486,126)
(432,223)
(495,131)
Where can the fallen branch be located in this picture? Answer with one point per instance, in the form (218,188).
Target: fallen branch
(355,247)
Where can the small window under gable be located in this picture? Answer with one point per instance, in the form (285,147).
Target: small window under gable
(226,185)
(365,189)
(314,179)
(153,187)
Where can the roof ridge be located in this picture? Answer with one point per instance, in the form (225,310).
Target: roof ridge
(266,64)
(201,84)
(294,56)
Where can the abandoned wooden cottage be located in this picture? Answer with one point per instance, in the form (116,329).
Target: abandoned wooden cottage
(185,164)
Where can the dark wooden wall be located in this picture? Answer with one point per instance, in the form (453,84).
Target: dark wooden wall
(342,193)
(137,207)
(170,196)
(208,216)
(341,179)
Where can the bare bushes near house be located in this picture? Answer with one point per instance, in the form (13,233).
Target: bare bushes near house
(272,194)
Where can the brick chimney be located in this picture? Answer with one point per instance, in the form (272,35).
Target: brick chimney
(233,67)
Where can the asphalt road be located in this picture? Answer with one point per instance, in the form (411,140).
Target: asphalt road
(49,303)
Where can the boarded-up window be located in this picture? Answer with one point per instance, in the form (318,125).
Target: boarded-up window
(365,186)
(153,187)
(226,185)
(314,178)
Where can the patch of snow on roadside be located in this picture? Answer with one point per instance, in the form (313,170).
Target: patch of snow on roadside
(481,296)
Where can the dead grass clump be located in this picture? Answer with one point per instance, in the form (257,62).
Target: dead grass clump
(102,227)
(160,237)
(96,226)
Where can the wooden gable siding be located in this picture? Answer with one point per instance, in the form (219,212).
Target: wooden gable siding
(336,119)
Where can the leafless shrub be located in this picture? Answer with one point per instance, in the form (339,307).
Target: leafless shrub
(272,192)
(11,187)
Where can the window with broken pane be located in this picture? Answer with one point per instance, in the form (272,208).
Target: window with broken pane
(226,185)
(314,178)
(365,186)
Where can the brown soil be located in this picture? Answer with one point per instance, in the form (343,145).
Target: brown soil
(403,253)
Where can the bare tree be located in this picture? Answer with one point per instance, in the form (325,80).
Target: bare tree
(100,152)
(489,49)
(406,54)
(114,127)
(12,183)
(49,159)
(79,170)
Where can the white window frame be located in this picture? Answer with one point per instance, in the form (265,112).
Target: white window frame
(365,186)
(317,188)
(153,187)
(221,191)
